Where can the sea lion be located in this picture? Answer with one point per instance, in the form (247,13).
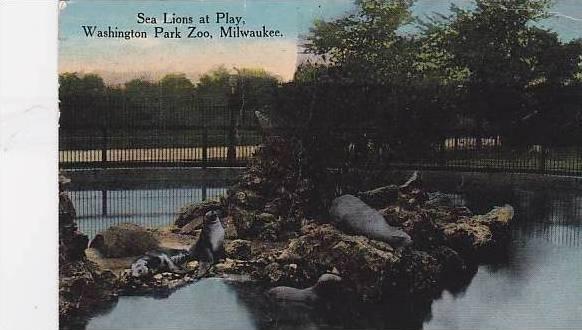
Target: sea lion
(209,247)
(356,216)
(154,262)
(325,287)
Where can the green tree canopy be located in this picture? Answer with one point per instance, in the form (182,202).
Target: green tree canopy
(366,44)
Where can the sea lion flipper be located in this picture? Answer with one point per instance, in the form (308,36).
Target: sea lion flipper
(220,255)
(203,269)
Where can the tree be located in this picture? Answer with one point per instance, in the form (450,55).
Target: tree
(366,45)
(82,99)
(142,99)
(176,99)
(498,55)
(241,90)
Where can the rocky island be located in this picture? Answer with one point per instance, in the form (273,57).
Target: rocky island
(274,238)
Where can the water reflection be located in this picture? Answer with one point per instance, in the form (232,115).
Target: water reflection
(207,304)
(534,283)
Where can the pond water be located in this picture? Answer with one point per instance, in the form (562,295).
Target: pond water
(150,207)
(535,284)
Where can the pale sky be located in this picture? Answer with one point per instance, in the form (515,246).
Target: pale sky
(119,60)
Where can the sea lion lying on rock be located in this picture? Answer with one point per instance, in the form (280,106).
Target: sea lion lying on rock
(326,285)
(351,213)
(154,262)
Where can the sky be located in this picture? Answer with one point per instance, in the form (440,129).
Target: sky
(119,60)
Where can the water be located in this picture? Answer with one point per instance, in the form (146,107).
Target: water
(535,284)
(208,304)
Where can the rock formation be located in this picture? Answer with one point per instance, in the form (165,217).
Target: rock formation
(83,287)
(124,240)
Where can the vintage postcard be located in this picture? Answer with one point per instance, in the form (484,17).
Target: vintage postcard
(329,164)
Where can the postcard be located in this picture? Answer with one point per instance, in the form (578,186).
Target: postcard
(330,164)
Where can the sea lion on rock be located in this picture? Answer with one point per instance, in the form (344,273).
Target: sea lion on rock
(154,262)
(353,214)
(209,247)
(326,286)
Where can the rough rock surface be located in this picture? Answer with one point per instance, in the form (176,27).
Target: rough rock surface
(124,240)
(238,249)
(83,287)
(447,242)
(365,264)
(192,212)
(474,236)
(72,243)
(380,196)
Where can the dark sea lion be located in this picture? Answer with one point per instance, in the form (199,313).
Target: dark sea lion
(154,262)
(356,216)
(209,247)
(326,286)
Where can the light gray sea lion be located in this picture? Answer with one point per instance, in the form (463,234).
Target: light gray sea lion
(356,216)
(209,247)
(154,262)
(326,286)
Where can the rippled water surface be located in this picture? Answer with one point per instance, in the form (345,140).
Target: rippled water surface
(536,284)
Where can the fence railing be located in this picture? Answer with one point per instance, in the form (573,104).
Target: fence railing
(232,146)
(150,146)
(151,207)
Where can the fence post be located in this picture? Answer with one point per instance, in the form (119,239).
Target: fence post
(104,202)
(542,159)
(204,192)
(231,152)
(205,147)
(441,159)
(104,147)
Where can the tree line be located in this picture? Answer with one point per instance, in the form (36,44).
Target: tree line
(489,70)
(393,81)
(87,101)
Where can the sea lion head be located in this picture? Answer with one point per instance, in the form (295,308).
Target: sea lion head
(140,268)
(211,216)
(327,285)
(400,240)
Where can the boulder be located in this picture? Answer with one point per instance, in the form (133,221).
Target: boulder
(67,213)
(193,227)
(229,228)
(83,288)
(238,249)
(380,197)
(124,240)
(249,200)
(193,211)
(366,265)
(413,182)
(417,275)
(424,231)
(350,213)
(478,234)
(264,226)
(72,243)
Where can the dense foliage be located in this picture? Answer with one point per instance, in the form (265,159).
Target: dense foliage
(381,82)
(484,71)
(86,101)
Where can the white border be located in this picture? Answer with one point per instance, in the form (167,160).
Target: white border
(28,164)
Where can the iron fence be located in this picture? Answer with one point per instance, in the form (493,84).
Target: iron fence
(198,132)
(152,146)
(150,207)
